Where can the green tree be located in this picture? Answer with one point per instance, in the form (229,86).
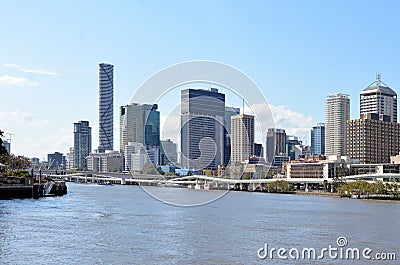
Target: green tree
(3,150)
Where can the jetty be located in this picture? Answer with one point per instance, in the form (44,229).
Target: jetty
(12,187)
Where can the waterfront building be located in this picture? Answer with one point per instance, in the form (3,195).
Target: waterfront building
(337,112)
(380,99)
(318,139)
(202,128)
(106,107)
(229,112)
(258,150)
(168,152)
(373,138)
(275,144)
(242,136)
(82,143)
(109,161)
(56,161)
(139,123)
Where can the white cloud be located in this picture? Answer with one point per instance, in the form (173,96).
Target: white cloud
(294,123)
(39,71)
(31,70)
(16,81)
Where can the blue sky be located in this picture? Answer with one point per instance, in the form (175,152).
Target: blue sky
(296,51)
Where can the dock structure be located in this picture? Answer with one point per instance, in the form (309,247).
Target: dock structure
(24,187)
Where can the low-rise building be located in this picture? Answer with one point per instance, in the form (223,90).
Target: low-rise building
(110,161)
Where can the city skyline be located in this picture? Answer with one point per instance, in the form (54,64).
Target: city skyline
(302,40)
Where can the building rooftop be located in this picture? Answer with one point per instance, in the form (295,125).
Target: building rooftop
(378,87)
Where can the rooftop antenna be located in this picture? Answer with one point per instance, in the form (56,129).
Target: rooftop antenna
(378,79)
(243,105)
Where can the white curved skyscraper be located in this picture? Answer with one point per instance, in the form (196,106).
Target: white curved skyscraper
(106,106)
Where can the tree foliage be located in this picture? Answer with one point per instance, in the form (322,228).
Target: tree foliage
(3,150)
(280,186)
(377,187)
(15,162)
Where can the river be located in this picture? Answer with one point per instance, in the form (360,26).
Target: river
(96,224)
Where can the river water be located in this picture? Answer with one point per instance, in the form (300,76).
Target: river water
(95,224)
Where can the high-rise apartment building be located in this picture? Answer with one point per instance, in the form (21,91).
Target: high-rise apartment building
(318,139)
(242,136)
(82,143)
(380,99)
(337,112)
(202,128)
(275,144)
(106,107)
(373,138)
(229,112)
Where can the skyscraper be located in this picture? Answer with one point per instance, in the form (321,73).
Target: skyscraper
(82,143)
(202,128)
(106,106)
(276,143)
(380,99)
(229,112)
(140,123)
(318,139)
(242,136)
(337,112)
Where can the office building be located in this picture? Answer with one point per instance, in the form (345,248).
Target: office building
(229,112)
(242,136)
(275,144)
(337,112)
(373,138)
(109,161)
(294,147)
(380,99)
(202,128)
(130,149)
(56,161)
(70,159)
(139,123)
(106,107)
(168,152)
(82,144)
(318,139)
(258,150)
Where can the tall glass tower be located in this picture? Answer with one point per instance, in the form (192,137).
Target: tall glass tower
(318,139)
(202,128)
(106,90)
